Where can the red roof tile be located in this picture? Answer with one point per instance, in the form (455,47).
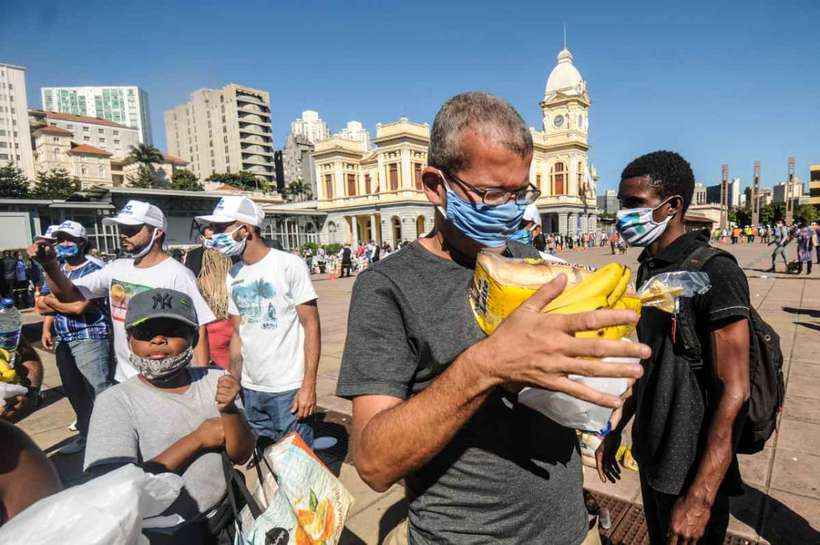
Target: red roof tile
(56,131)
(77,149)
(82,119)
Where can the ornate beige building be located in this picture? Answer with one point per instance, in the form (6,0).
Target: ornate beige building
(53,149)
(377,194)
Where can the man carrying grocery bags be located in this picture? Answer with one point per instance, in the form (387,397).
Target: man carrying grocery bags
(433,398)
(695,387)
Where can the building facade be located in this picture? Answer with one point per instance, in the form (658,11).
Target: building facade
(310,126)
(377,194)
(814,185)
(54,149)
(713,193)
(15,134)
(297,162)
(608,202)
(112,137)
(699,194)
(793,189)
(224,130)
(354,130)
(125,105)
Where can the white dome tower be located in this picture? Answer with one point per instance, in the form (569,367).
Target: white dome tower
(566,102)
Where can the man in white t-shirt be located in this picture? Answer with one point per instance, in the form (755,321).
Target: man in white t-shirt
(142,229)
(277,337)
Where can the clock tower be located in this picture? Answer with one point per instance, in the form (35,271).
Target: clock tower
(565,106)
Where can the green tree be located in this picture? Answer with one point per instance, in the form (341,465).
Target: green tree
(297,190)
(55,184)
(13,183)
(144,179)
(145,155)
(185,180)
(806,212)
(243,180)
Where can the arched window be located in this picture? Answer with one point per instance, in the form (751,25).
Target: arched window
(420,226)
(558,178)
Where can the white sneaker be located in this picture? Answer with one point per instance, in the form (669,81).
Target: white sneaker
(74,447)
(73,426)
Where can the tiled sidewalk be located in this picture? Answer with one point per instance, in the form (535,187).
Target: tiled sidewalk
(782,503)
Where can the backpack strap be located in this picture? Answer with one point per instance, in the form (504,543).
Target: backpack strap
(701,255)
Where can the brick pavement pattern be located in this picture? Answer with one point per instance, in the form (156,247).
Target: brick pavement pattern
(782,501)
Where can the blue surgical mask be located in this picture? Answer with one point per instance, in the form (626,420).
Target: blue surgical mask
(638,227)
(490,226)
(225,244)
(524,236)
(67,250)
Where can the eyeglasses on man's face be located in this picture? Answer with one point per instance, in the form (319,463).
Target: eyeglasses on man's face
(495,196)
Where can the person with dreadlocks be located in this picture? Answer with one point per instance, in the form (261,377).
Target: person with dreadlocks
(211,269)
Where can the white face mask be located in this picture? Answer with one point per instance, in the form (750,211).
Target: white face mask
(147,247)
(638,227)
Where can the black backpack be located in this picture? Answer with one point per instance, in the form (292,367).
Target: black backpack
(767,388)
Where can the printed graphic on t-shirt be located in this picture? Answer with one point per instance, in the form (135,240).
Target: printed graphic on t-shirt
(255,302)
(122,292)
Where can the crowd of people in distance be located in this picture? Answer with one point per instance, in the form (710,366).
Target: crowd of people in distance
(806,237)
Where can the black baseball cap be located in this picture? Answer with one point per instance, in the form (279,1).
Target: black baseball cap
(160,303)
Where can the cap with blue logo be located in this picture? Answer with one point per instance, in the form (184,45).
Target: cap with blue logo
(235,208)
(139,213)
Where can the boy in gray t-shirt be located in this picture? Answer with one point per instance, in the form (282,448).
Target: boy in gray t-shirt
(170,417)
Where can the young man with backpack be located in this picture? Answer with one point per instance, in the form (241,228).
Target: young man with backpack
(691,404)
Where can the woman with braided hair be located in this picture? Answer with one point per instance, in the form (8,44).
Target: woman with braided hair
(211,269)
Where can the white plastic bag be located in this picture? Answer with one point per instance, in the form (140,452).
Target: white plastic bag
(7,391)
(303,501)
(573,412)
(107,510)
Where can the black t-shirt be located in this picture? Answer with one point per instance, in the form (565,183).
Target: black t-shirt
(510,475)
(673,404)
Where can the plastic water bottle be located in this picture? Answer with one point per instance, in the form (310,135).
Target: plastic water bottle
(10,325)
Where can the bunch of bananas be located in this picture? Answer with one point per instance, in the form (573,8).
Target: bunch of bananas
(500,285)
(7,372)
(605,288)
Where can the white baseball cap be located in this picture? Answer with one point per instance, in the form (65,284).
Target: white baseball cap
(531,214)
(69,227)
(49,234)
(139,213)
(235,208)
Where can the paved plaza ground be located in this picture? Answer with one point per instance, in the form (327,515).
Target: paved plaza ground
(782,500)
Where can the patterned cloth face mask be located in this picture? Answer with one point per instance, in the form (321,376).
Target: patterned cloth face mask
(153,369)
(638,227)
(225,244)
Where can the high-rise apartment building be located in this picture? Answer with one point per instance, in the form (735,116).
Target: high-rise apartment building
(311,126)
(793,189)
(15,136)
(223,130)
(814,185)
(355,131)
(713,193)
(126,105)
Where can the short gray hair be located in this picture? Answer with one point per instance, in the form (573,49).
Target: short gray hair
(488,114)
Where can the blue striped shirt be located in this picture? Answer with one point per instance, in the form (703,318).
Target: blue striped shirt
(92,324)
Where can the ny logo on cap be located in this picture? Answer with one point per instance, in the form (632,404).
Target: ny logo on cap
(162,300)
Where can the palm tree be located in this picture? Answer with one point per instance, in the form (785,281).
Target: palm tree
(145,154)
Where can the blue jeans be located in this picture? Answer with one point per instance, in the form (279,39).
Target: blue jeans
(85,371)
(270,418)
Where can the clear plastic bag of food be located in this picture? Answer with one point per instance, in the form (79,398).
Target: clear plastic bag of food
(663,291)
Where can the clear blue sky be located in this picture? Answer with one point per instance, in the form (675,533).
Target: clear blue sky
(717,81)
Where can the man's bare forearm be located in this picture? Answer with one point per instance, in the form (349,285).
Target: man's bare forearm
(731,357)
(61,287)
(239,439)
(235,354)
(313,342)
(202,353)
(403,438)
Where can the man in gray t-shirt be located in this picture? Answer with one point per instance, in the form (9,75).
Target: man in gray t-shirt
(434,401)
